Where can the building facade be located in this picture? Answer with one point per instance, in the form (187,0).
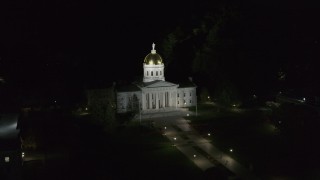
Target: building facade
(153,92)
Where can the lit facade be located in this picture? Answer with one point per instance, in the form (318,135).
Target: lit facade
(153,93)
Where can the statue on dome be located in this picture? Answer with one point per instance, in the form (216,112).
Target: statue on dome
(153,45)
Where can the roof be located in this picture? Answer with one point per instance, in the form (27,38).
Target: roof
(155,84)
(187,84)
(127,88)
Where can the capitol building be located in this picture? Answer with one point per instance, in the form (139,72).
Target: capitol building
(153,93)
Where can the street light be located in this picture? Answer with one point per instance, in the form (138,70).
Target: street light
(209,134)
(194,155)
(231,150)
(175,138)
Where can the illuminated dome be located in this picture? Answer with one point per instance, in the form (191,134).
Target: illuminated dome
(153,58)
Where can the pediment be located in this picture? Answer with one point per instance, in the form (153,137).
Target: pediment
(158,84)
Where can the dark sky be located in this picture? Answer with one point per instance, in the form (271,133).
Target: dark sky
(92,39)
(99,35)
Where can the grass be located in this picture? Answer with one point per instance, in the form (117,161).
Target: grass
(149,155)
(131,152)
(254,141)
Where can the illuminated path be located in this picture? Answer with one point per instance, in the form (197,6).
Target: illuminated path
(185,138)
(186,148)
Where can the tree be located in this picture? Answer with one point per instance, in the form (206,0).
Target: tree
(168,45)
(204,95)
(30,140)
(226,93)
(101,104)
(133,104)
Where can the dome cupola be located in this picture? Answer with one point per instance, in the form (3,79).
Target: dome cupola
(153,67)
(153,58)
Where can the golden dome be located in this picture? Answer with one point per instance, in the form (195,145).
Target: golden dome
(153,59)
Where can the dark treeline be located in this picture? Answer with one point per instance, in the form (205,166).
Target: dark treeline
(238,50)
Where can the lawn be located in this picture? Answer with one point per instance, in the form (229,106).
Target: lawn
(146,154)
(130,152)
(256,143)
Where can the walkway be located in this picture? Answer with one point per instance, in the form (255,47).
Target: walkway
(195,147)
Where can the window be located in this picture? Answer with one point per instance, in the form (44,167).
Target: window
(184,101)
(160,73)
(190,101)
(151,73)
(157,73)
(178,102)
(184,94)
(147,73)
(190,93)
(178,94)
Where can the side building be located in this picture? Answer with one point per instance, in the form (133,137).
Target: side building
(153,93)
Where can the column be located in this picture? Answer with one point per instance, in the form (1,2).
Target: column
(170,98)
(156,100)
(143,101)
(150,100)
(160,97)
(164,99)
(176,95)
(147,101)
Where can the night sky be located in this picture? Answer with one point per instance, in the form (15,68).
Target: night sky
(98,34)
(71,41)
